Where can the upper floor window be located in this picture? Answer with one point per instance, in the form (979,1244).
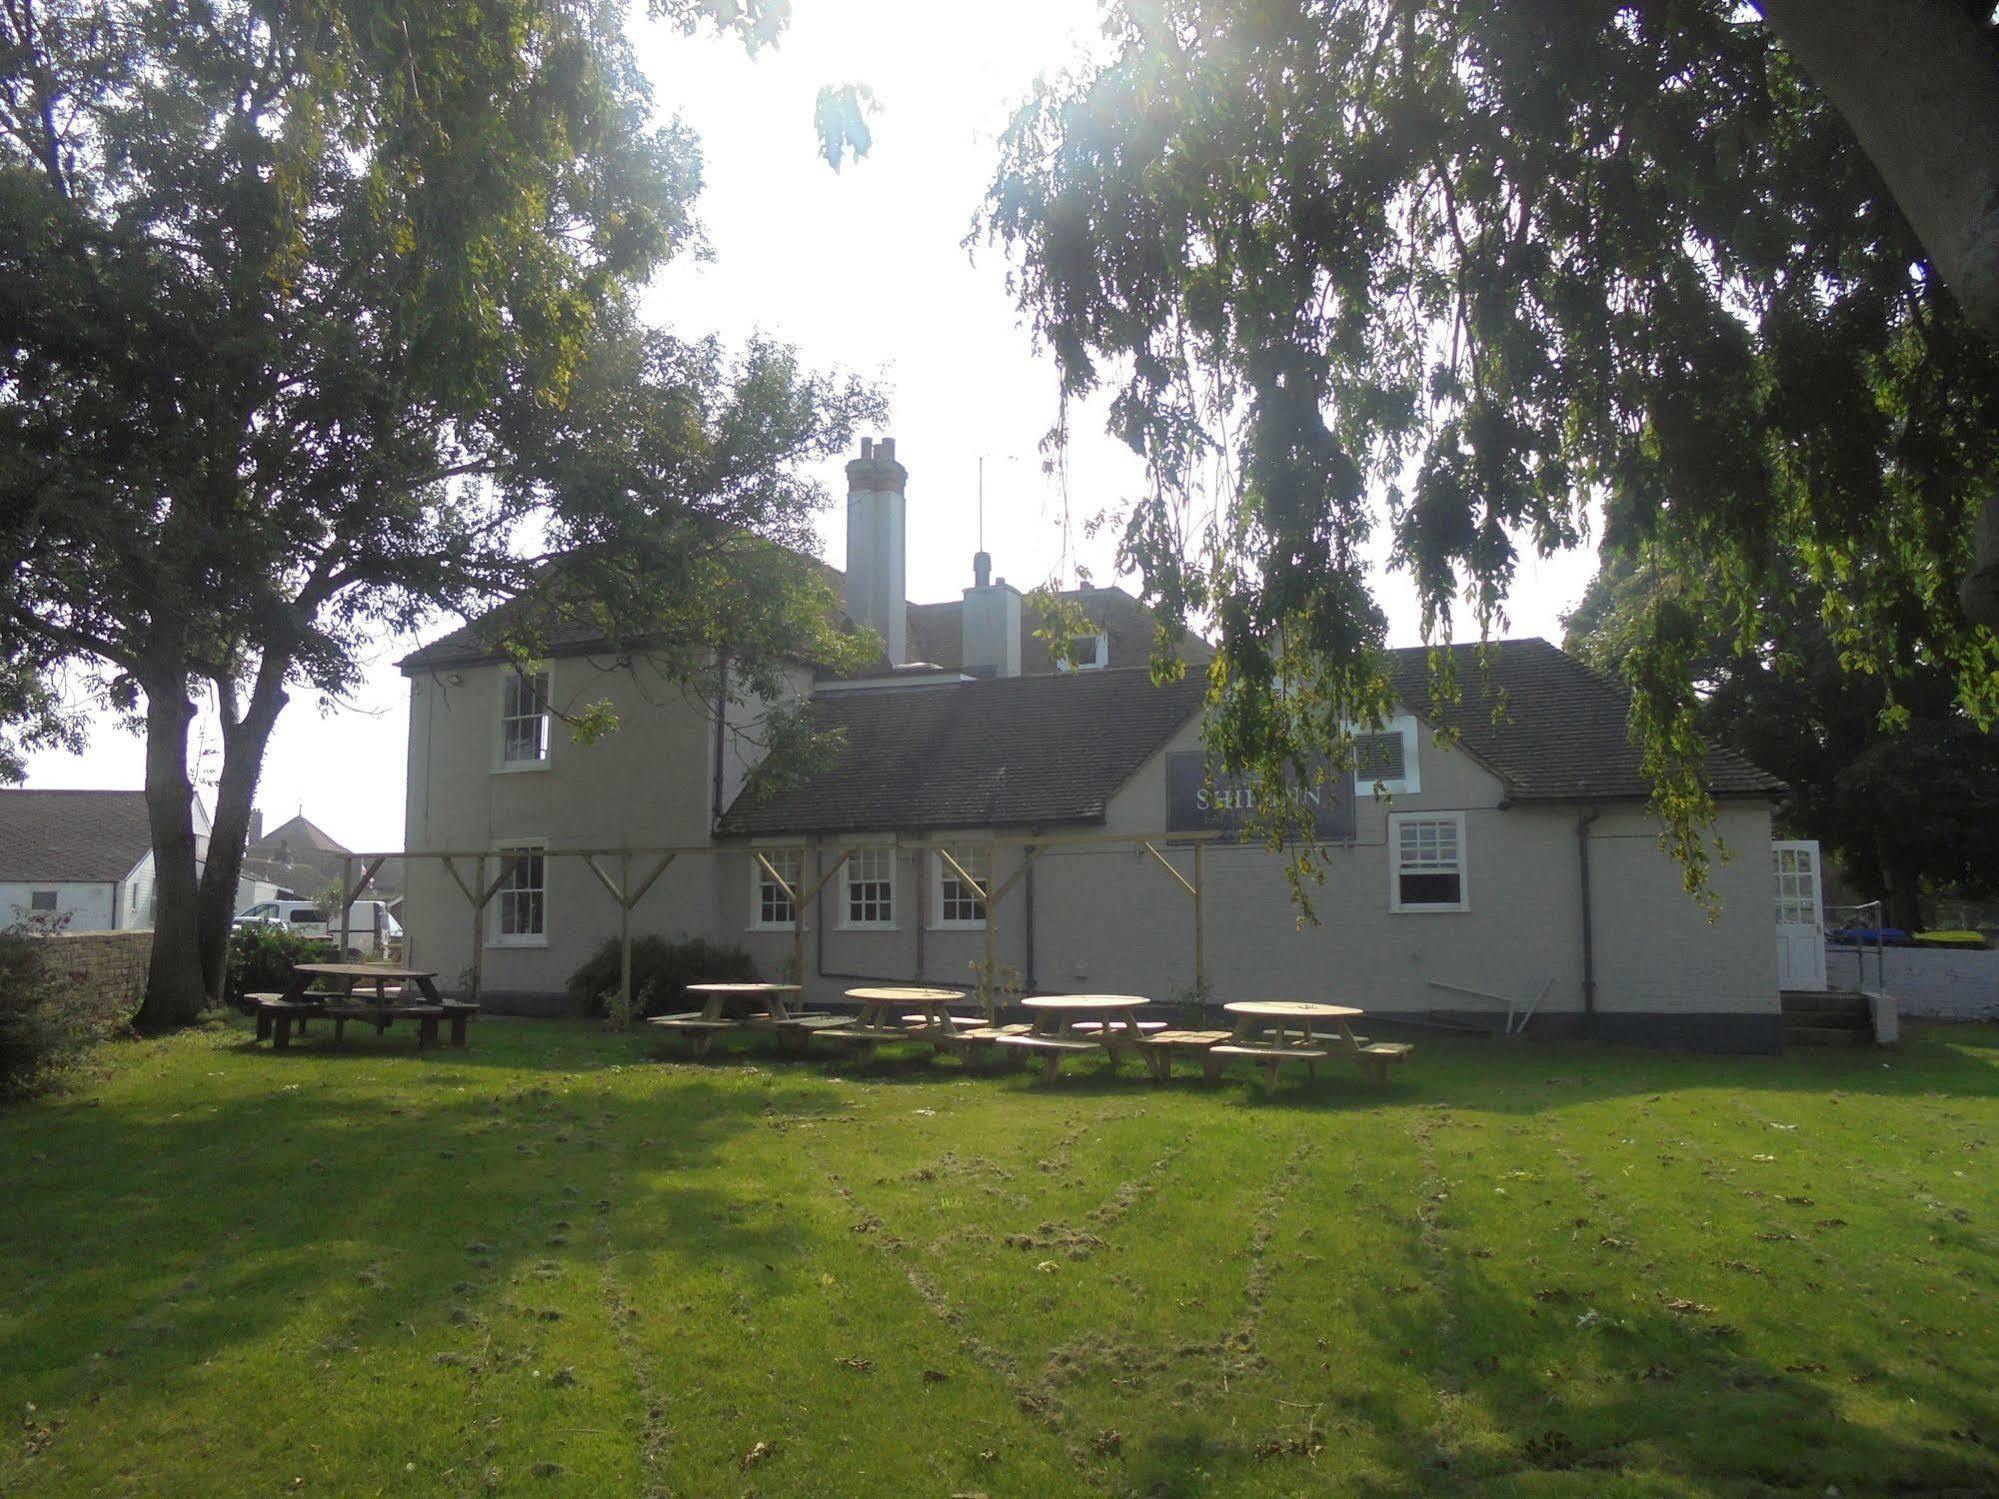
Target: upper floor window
(524,718)
(1426,861)
(771,902)
(1088,653)
(959,902)
(870,888)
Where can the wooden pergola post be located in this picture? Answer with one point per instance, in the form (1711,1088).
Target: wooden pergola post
(1194,890)
(990,895)
(479,894)
(626,897)
(798,895)
(350,891)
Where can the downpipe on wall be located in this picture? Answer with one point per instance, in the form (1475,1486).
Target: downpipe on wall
(1583,825)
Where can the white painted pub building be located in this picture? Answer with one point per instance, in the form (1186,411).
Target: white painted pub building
(1499,868)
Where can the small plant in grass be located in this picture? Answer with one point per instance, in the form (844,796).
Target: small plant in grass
(261,959)
(995,986)
(661,972)
(1197,1000)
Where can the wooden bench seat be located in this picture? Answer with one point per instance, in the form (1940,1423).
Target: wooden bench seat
(1160,1047)
(1376,1058)
(276,1016)
(699,1030)
(981,1040)
(1272,1057)
(940,1022)
(1052,1048)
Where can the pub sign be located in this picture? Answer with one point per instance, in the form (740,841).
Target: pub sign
(1195,806)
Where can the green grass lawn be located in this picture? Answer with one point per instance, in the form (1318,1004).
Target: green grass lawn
(554,1264)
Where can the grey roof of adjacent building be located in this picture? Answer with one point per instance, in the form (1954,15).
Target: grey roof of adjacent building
(84,837)
(1043,750)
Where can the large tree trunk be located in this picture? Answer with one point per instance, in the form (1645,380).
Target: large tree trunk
(1918,81)
(174,991)
(243,746)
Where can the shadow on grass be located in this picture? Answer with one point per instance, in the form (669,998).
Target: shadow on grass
(149,1236)
(1518,1076)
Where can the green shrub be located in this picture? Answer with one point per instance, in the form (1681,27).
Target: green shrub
(661,972)
(261,959)
(46,1022)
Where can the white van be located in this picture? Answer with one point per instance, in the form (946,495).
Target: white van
(370,927)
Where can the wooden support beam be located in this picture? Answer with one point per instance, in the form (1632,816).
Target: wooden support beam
(959,870)
(1162,861)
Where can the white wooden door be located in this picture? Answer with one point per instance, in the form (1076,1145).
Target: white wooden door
(1794,868)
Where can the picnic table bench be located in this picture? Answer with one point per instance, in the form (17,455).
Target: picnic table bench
(277,1017)
(896,1012)
(1255,1017)
(340,992)
(1058,1018)
(771,1005)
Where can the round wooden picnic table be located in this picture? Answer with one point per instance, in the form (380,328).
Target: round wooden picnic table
(1057,1014)
(883,1004)
(719,996)
(1253,1014)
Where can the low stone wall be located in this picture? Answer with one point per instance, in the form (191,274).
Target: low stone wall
(108,967)
(1929,983)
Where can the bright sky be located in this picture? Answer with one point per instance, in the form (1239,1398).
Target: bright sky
(864,270)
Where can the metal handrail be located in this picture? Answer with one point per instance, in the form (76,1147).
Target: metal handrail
(1860,948)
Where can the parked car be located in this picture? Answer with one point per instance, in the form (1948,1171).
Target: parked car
(371,930)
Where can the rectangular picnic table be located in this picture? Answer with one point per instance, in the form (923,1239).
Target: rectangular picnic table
(340,992)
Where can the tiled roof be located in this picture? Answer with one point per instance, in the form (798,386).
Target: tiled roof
(1003,752)
(1563,734)
(937,632)
(58,836)
(301,833)
(1032,750)
(562,633)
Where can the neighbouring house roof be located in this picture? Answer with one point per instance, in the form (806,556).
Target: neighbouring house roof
(1034,750)
(301,834)
(998,752)
(72,836)
(302,856)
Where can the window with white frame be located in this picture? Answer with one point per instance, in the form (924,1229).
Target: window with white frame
(1088,653)
(770,904)
(520,909)
(1426,861)
(42,900)
(524,718)
(870,882)
(958,902)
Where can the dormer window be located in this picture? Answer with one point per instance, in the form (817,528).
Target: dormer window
(1088,653)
